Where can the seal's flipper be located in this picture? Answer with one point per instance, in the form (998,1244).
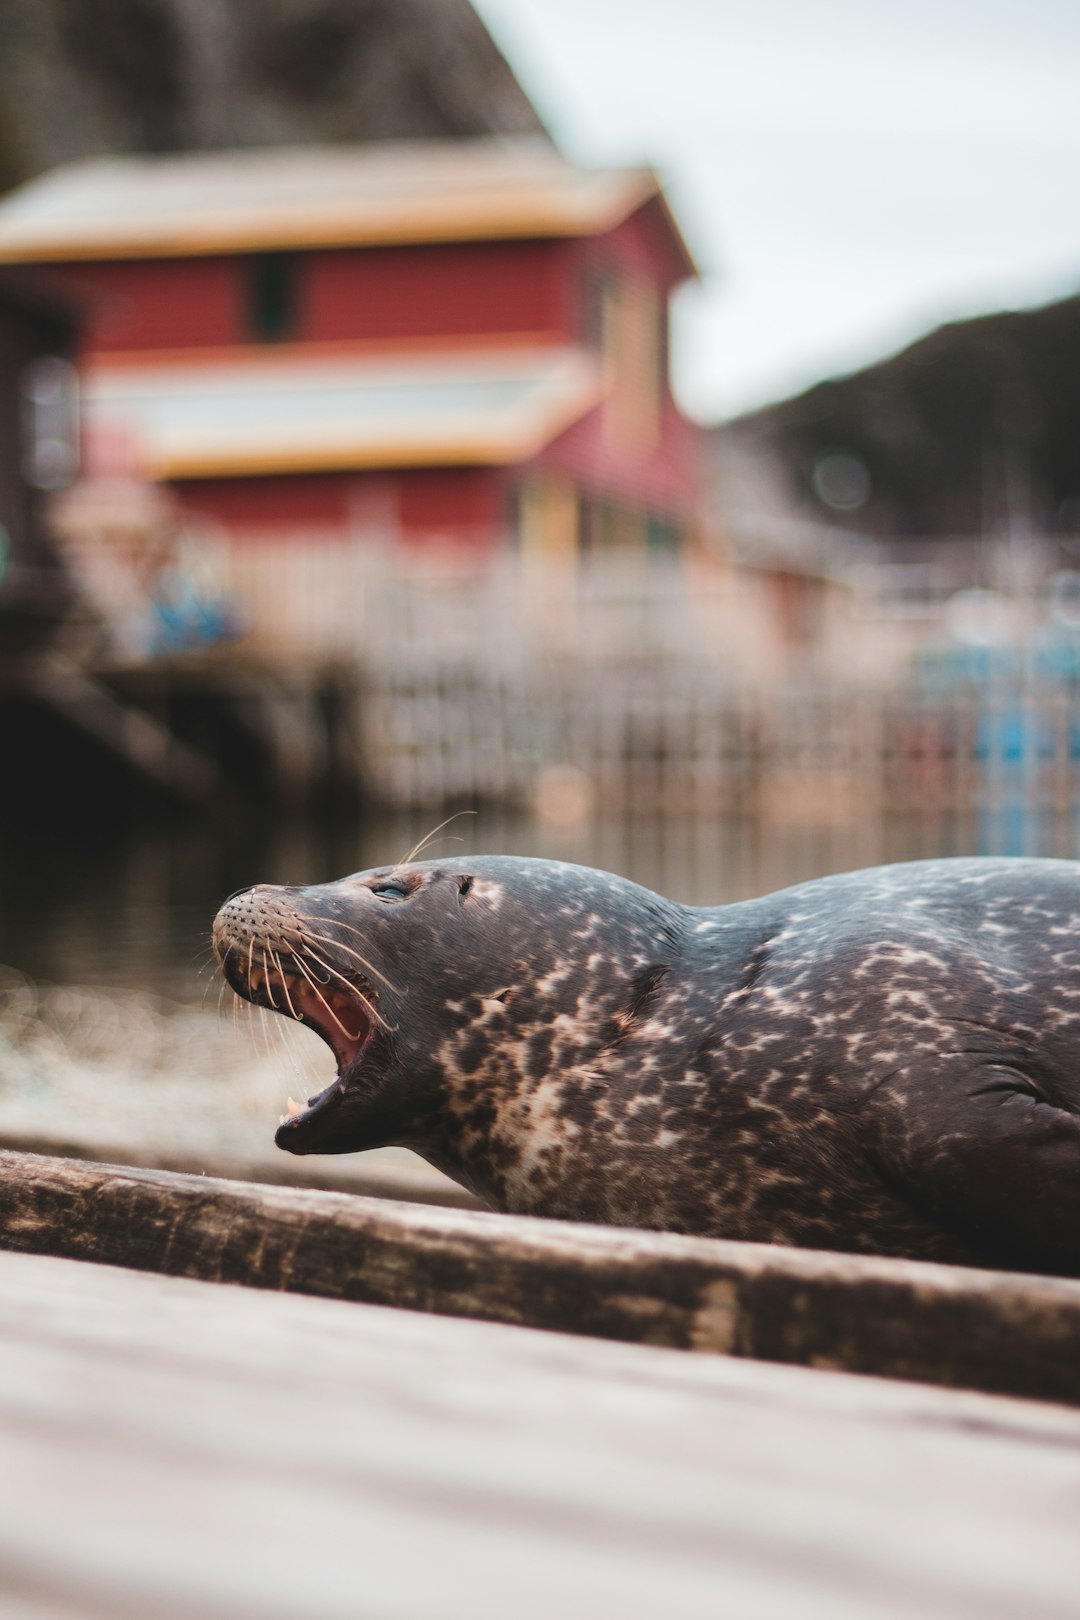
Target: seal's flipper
(1004,1174)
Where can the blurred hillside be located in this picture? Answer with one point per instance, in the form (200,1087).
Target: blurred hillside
(970,431)
(79,79)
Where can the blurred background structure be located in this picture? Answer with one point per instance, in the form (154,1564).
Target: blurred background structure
(344,487)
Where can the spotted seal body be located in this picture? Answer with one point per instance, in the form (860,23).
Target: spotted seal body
(883,1061)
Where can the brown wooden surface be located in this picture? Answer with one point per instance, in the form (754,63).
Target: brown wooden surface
(175,1451)
(384,1173)
(979,1330)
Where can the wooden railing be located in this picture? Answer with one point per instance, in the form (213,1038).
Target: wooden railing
(663,690)
(680,741)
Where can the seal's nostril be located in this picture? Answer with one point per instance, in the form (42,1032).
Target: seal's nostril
(237,893)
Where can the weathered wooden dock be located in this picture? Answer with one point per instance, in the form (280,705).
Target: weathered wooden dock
(180,1451)
(1004,1333)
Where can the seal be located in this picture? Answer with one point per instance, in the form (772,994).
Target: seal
(883,1061)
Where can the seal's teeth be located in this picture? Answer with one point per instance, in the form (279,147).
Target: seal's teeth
(294,1108)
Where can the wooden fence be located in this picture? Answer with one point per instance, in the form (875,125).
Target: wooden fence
(677,739)
(660,689)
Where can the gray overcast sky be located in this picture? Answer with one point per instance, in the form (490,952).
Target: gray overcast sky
(849,173)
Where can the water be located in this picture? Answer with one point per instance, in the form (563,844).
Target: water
(135,913)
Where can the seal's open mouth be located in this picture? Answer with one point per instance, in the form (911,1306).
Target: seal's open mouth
(340,1010)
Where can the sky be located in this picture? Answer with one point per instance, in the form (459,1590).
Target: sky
(849,173)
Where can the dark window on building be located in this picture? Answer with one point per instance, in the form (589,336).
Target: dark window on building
(515,504)
(271,295)
(663,341)
(590,525)
(594,292)
(50,412)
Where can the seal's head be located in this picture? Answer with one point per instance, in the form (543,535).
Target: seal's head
(451,996)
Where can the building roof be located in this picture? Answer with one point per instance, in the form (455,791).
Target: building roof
(282,415)
(332,196)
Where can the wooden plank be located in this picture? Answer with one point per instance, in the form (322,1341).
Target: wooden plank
(175,1450)
(1004,1333)
(380,1174)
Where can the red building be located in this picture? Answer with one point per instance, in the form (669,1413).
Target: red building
(458,340)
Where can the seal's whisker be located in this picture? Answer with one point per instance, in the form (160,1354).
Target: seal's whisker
(277,1044)
(314,985)
(329,922)
(244,1015)
(325,939)
(244,1012)
(424,842)
(299,1072)
(353,988)
(348,950)
(268,1050)
(266,973)
(284,983)
(281,1041)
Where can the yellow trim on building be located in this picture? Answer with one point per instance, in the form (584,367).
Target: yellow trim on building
(108,210)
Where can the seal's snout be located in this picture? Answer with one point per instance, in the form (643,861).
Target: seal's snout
(277,953)
(248,914)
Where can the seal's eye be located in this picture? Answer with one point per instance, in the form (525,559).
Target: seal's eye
(390,891)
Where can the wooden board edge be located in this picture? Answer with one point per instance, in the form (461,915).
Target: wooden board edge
(1001,1333)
